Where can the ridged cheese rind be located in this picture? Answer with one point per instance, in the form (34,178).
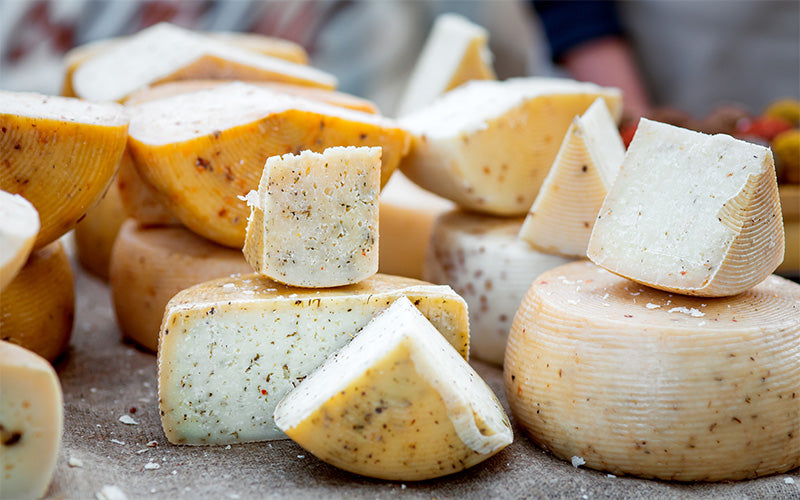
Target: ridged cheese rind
(19,225)
(140,200)
(639,381)
(96,232)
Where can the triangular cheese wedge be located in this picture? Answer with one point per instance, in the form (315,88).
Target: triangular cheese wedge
(19,225)
(397,403)
(561,219)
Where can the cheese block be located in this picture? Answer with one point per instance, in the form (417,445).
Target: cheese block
(96,232)
(407,214)
(456,51)
(31,422)
(396,403)
(488,145)
(139,200)
(639,381)
(314,219)
(150,265)
(231,349)
(19,225)
(561,219)
(691,213)
(484,261)
(202,162)
(165,52)
(37,308)
(60,154)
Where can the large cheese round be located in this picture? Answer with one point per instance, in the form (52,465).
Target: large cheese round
(639,381)
(96,233)
(150,265)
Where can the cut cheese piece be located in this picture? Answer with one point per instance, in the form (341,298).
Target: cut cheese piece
(396,403)
(488,145)
(150,265)
(96,233)
(314,220)
(484,261)
(638,381)
(231,349)
(19,225)
(691,213)
(216,150)
(407,214)
(60,154)
(562,217)
(165,52)
(31,422)
(455,52)
(37,308)
(139,200)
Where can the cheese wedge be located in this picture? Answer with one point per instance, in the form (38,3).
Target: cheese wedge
(561,219)
(37,308)
(231,349)
(638,381)
(484,261)
(19,225)
(150,265)
(202,162)
(139,200)
(96,233)
(488,145)
(691,213)
(397,403)
(31,422)
(314,219)
(407,214)
(165,52)
(456,51)
(60,154)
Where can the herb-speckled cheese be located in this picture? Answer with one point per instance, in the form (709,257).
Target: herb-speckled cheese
(230,349)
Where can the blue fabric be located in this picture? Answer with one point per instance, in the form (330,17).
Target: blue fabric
(567,24)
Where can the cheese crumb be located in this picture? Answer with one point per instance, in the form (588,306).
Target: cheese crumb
(650,305)
(151,466)
(695,313)
(128,420)
(117,441)
(578,461)
(75,462)
(788,480)
(110,492)
(612,476)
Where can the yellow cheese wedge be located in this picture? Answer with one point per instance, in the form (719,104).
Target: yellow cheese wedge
(37,308)
(31,422)
(455,52)
(488,145)
(561,218)
(314,219)
(60,154)
(790,206)
(139,200)
(691,213)
(396,403)
(202,162)
(484,261)
(96,232)
(407,214)
(230,349)
(639,381)
(165,52)
(19,225)
(150,265)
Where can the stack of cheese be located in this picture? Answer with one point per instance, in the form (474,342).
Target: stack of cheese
(400,402)
(676,355)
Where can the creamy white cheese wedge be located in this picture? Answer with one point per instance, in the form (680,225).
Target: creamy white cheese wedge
(398,402)
(561,219)
(230,349)
(691,213)
(640,381)
(19,225)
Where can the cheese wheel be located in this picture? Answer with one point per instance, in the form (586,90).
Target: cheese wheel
(95,234)
(488,145)
(407,214)
(150,265)
(638,381)
(139,200)
(216,151)
(561,218)
(37,308)
(455,52)
(19,225)
(396,403)
(691,213)
(314,219)
(484,261)
(60,154)
(790,206)
(231,349)
(165,52)
(31,422)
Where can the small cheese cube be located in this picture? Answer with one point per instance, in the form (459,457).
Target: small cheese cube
(314,221)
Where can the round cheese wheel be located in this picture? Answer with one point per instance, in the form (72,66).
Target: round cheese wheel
(96,233)
(139,200)
(637,381)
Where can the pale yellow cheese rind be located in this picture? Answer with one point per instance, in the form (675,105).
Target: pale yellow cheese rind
(96,232)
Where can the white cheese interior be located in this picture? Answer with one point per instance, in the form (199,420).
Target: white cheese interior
(599,132)
(66,109)
(19,225)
